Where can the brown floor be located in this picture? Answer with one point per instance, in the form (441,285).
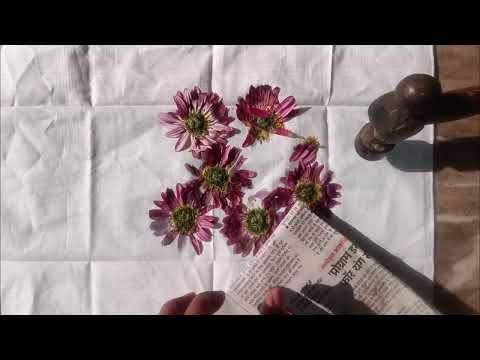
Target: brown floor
(457,189)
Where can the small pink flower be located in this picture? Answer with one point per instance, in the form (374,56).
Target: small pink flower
(263,113)
(221,176)
(305,184)
(306,151)
(201,120)
(248,229)
(182,214)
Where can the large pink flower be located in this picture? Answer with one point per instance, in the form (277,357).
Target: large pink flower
(305,184)
(201,120)
(182,213)
(263,113)
(221,176)
(248,229)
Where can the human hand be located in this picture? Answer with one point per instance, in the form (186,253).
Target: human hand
(206,303)
(209,302)
(274,303)
(338,300)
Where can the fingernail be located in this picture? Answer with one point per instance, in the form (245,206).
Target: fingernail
(219,296)
(270,299)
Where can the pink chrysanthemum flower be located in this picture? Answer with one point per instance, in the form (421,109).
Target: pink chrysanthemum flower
(221,176)
(248,229)
(182,214)
(201,120)
(263,113)
(305,184)
(306,151)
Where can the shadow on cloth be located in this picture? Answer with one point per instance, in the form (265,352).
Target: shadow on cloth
(416,156)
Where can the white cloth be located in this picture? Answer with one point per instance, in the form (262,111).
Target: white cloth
(83,156)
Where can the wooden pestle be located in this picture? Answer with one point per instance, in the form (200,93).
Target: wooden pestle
(416,101)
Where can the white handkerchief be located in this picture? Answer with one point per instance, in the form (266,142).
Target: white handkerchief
(83,156)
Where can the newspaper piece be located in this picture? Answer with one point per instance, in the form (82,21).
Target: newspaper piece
(325,272)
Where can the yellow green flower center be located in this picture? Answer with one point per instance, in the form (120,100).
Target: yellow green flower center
(311,140)
(308,192)
(265,127)
(266,123)
(257,221)
(196,124)
(215,178)
(184,220)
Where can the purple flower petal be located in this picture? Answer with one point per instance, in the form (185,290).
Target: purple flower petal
(316,171)
(180,189)
(261,194)
(181,104)
(335,186)
(183,142)
(159,228)
(216,199)
(246,174)
(294,113)
(156,214)
(277,199)
(243,177)
(168,118)
(160,204)
(175,132)
(238,164)
(192,169)
(204,234)
(197,245)
(238,248)
(208,198)
(297,152)
(209,218)
(169,238)
(310,157)
(224,151)
(229,156)
(283,132)
(328,177)
(260,113)
(193,195)
(220,127)
(286,106)
(307,151)
(206,224)
(257,247)
(170,199)
(247,249)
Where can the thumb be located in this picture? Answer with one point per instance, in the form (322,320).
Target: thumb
(206,303)
(274,303)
